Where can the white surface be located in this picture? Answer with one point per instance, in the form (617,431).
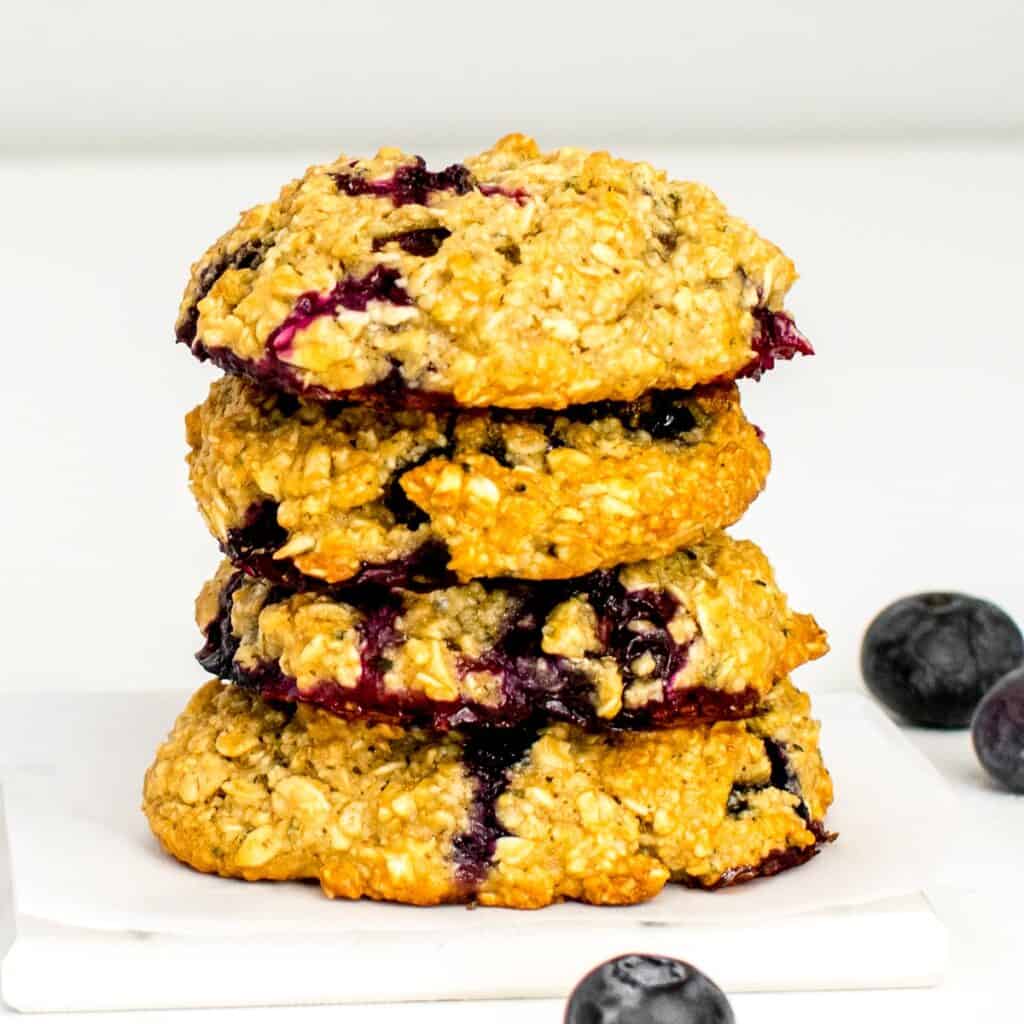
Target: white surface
(125,927)
(893,944)
(119,880)
(896,461)
(113,73)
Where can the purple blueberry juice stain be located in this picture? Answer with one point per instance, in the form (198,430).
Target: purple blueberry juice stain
(426,568)
(423,242)
(520,195)
(776,338)
(774,863)
(259,536)
(665,415)
(354,293)
(251,548)
(405,511)
(488,756)
(389,393)
(366,698)
(217,655)
(782,776)
(497,449)
(413,183)
(410,183)
(246,257)
(271,372)
(378,632)
(532,685)
(567,698)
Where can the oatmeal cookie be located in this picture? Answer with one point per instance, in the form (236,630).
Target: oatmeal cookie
(513,818)
(516,279)
(700,635)
(294,488)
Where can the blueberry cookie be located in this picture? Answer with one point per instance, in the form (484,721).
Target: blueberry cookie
(517,279)
(698,636)
(293,488)
(515,818)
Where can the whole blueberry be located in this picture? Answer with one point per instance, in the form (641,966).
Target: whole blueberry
(639,989)
(930,658)
(998,731)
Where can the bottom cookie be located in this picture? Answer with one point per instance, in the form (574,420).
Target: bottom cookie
(519,817)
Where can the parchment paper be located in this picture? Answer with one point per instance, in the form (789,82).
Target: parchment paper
(83,856)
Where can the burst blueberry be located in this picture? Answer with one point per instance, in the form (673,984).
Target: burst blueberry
(418,242)
(776,338)
(355,293)
(411,183)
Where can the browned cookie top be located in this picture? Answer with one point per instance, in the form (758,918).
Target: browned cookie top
(517,279)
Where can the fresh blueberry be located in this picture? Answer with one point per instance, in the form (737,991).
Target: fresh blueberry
(998,731)
(637,989)
(930,658)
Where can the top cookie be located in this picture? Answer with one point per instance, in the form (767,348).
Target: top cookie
(519,279)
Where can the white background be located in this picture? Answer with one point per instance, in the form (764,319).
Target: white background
(881,144)
(111,73)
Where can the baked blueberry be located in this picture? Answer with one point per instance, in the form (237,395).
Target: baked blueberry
(698,636)
(931,657)
(640,989)
(776,338)
(998,731)
(417,242)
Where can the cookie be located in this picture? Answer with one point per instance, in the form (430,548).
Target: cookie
(700,635)
(296,488)
(517,279)
(514,818)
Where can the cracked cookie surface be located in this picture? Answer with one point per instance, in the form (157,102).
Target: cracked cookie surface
(703,634)
(247,789)
(516,279)
(298,488)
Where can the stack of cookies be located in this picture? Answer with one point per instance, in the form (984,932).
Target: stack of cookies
(478,634)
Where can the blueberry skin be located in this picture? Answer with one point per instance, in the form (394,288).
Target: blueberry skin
(998,731)
(930,658)
(640,989)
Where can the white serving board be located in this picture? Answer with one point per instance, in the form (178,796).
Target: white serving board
(894,944)
(122,926)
